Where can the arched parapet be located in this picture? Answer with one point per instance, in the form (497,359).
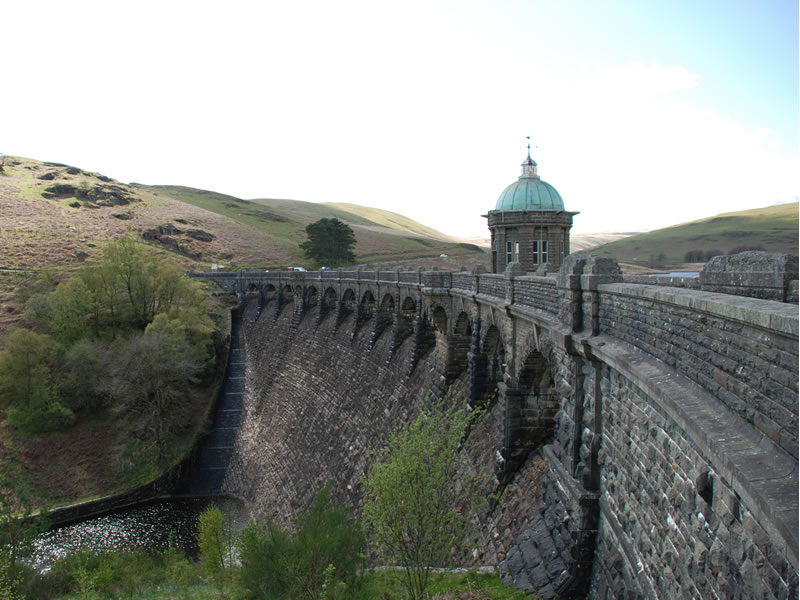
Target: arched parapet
(458,346)
(424,333)
(404,322)
(529,409)
(364,311)
(284,298)
(327,303)
(346,306)
(487,367)
(268,293)
(384,317)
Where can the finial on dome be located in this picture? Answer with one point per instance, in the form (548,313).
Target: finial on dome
(529,166)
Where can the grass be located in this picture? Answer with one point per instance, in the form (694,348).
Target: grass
(467,585)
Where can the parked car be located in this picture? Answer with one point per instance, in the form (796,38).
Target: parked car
(296,269)
(324,268)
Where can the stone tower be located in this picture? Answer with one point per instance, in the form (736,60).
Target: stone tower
(529,224)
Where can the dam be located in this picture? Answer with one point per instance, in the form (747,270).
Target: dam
(644,437)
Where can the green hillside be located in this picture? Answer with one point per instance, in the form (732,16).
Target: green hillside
(773,228)
(382,236)
(388,219)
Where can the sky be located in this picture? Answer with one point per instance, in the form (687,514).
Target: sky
(642,114)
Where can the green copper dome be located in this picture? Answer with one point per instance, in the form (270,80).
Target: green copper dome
(529,192)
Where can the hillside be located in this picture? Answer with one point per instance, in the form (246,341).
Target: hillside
(773,228)
(55,215)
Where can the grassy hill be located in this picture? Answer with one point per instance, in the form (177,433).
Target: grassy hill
(773,228)
(56,215)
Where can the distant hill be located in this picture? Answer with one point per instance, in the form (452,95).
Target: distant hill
(56,215)
(773,228)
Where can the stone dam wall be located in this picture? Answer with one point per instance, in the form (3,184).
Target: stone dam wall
(644,438)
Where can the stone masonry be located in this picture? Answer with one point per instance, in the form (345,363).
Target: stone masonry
(643,438)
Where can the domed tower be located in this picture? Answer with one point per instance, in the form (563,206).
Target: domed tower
(529,224)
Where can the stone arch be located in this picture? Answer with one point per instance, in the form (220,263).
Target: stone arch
(312,296)
(328,302)
(459,344)
(349,302)
(463,325)
(251,290)
(287,294)
(269,293)
(488,367)
(383,317)
(367,307)
(439,318)
(408,311)
(539,403)
(404,325)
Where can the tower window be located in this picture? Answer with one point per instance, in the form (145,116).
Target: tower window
(512,252)
(541,252)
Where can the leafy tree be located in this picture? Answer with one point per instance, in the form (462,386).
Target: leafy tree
(215,544)
(413,506)
(83,366)
(25,383)
(25,368)
(329,242)
(328,545)
(150,384)
(69,305)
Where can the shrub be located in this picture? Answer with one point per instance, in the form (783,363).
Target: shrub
(413,504)
(216,547)
(323,558)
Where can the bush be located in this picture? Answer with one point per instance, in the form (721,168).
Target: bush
(323,558)
(216,545)
(416,510)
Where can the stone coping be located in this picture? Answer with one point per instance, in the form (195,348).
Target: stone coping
(764,476)
(766,314)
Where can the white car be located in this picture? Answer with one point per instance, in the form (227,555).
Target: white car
(295,269)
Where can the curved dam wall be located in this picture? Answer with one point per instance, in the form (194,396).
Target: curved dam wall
(644,438)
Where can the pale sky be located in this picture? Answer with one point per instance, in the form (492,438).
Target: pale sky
(642,113)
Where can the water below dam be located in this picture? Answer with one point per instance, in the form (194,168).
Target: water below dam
(144,527)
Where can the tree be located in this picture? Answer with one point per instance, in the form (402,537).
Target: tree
(330,242)
(327,550)
(415,509)
(25,383)
(215,545)
(151,385)
(69,305)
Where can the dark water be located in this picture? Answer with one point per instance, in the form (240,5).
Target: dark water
(145,527)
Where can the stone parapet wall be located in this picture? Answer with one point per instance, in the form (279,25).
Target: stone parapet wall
(537,292)
(492,285)
(691,283)
(743,351)
(673,526)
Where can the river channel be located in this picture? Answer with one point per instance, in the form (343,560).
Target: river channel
(143,527)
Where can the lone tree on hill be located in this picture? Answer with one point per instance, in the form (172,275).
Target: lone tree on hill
(330,242)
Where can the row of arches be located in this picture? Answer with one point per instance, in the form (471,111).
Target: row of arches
(477,347)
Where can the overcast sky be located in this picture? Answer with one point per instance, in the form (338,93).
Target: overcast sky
(642,114)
